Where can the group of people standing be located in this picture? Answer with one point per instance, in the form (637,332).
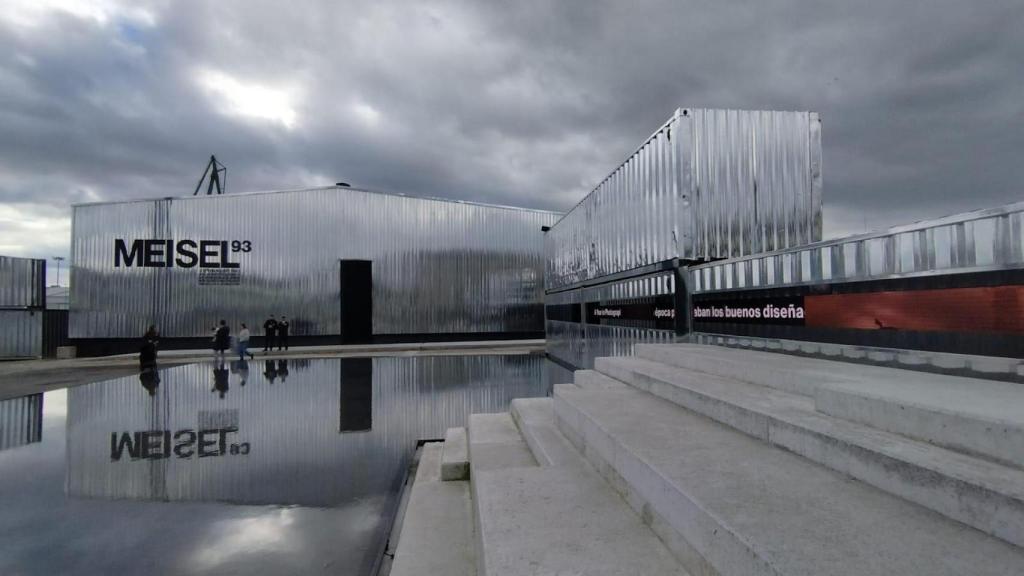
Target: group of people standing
(276,331)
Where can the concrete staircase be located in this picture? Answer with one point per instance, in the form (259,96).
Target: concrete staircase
(737,462)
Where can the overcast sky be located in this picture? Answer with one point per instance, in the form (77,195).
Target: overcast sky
(527,103)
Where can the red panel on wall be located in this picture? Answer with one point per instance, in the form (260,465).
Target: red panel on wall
(986,309)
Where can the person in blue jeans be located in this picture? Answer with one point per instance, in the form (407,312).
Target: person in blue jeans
(243,343)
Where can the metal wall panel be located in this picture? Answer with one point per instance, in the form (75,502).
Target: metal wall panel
(707,184)
(579,343)
(21,333)
(22,282)
(978,241)
(21,421)
(438,266)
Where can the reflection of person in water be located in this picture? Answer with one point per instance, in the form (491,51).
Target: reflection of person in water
(220,379)
(282,370)
(242,369)
(269,370)
(150,380)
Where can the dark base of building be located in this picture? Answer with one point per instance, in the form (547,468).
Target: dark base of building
(91,347)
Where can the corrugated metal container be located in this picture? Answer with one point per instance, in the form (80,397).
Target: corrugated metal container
(22,282)
(21,421)
(438,266)
(707,184)
(21,333)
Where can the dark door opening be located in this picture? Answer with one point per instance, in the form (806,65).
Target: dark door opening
(356,281)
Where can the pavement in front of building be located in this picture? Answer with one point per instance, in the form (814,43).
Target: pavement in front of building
(23,377)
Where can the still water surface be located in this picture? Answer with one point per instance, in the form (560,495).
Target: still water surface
(275,467)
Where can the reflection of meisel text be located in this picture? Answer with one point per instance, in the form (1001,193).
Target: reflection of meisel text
(767,311)
(158,444)
(608,312)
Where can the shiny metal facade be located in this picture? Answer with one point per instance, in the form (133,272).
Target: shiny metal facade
(439,266)
(707,184)
(21,334)
(579,343)
(21,421)
(22,282)
(295,453)
(978,241)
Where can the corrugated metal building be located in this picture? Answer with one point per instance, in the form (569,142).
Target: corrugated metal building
(708,184)
(423,266)
(22,301)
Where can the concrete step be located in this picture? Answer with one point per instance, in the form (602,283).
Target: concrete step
(980,417)
(495,444)
(535,418)
(974,415)
(437,536)
(593,379)
(785,372)
(555,518)
(455,458)
(978,492)
(730,504)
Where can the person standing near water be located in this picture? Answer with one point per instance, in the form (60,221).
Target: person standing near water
(269,331)
(282,333)
(243,343)
(147,352)
(221,339)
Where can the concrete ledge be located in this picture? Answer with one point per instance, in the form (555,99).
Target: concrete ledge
(744,507)
(1007,369)
(437,531)
(980,493)
(536,420)
(455,459)
(980,417)
(495,443)
(592,379)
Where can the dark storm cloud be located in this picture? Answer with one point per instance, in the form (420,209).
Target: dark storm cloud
(528,103)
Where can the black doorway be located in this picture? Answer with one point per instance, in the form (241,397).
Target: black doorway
(356,282)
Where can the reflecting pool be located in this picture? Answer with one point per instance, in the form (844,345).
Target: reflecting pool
(266,467)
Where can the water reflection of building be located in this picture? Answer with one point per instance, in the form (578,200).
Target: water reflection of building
(21,421)
(339,429)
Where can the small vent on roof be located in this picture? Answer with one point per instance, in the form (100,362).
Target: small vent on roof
(342,184)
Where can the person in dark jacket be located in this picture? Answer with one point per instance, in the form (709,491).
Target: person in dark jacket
(147,352)
(282,333)
(222,339)
(269,331)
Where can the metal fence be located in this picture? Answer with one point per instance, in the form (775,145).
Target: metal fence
(976,241)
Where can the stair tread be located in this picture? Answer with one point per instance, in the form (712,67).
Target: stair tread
(536,421)
(797,516)
(800,411)
(562,520)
